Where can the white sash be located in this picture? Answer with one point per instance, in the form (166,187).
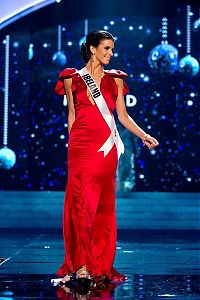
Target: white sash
(99,100)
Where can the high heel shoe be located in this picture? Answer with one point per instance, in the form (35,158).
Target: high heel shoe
(62,280)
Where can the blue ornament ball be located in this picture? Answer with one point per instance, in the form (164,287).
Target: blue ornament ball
(7,158)
(164,59)
(59,58)
(196,25)
(188,66)
(82,40)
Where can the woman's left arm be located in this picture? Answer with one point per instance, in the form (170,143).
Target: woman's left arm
(128,122)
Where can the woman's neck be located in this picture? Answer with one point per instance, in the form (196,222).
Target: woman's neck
(94,68)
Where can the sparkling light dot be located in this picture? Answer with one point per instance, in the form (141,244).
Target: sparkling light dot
(140,46)
(140,27)
(154,112)
(32,135)
(69,43)
(153,151)
(142,75)
(157,94)
(192,94)
(141,176)
(15,44)
(179,45)
(105,27)
(123,19)
(189,102)
(146,78)
(62,136)
(178,32)
(45,45)
(188,179)
(116,54)
(130,28)
(112,22)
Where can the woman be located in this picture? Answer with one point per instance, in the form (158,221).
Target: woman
(89,222)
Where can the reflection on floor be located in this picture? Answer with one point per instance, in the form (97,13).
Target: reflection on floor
(161,263)
(158,264)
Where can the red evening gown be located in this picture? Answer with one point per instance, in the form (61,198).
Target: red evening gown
(89,219)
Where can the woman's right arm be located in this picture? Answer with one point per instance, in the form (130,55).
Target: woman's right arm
(70,101)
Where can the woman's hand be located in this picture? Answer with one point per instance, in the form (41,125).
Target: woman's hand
(150,141)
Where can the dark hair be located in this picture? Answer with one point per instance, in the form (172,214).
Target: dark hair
(93,39)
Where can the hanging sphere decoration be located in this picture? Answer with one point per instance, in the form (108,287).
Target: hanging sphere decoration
(164,58)
(7,158)
(196,25)
(188,66)
(59,58)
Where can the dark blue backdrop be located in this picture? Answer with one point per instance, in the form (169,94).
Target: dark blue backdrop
(38,119)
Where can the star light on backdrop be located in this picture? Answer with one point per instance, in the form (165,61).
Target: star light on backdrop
(30,51)
(7,156)
(188,65)
(83,39)
(164,57)
(196,24)
(59,58)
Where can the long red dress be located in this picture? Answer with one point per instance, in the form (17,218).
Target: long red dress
(89,219)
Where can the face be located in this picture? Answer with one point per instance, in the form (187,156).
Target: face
(103,52)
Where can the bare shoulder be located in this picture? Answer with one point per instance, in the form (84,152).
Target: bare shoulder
(119,82)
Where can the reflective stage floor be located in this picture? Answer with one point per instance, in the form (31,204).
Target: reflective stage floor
(160,259)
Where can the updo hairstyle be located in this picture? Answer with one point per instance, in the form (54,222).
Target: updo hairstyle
(93,39)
